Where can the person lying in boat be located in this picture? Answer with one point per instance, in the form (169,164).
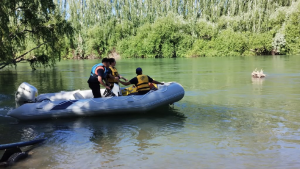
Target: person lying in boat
(141,82)
(114,73)
(98,76)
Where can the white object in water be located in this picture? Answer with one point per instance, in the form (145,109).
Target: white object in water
(25,94)
(258,74)
(82,103)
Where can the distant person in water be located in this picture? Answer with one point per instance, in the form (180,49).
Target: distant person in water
(99,74)
(114,72)
(141,82)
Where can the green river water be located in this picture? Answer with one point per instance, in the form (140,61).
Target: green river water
(225,120)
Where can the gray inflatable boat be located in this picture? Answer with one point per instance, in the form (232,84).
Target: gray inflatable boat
(82,103)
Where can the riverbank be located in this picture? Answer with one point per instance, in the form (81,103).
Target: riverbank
(248,32)
(117,56)
(161,30)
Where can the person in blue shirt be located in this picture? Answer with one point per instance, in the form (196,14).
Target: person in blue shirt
(99,74)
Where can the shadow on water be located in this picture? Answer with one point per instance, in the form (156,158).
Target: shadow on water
(12,130)
(233,121)
(77,139)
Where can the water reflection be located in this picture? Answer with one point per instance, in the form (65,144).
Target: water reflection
(232,121)
(257,81)
(98,141)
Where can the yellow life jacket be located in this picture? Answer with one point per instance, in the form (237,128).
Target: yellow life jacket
(129,90)
(114,73)
(143,83)
(133,89)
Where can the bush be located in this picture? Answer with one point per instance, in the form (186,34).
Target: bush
(292,32)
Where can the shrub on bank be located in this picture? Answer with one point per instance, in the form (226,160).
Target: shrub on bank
(245,32)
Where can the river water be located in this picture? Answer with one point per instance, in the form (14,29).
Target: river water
(226,119)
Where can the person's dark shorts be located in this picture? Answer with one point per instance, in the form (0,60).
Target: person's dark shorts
(95,89)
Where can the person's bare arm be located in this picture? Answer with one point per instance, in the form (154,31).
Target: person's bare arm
(112,77)
(102,83)
(156,82)
(106,82)
(125,83)
(121,77)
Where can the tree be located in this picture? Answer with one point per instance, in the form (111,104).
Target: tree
(292,31)
(31,30)
(146,28)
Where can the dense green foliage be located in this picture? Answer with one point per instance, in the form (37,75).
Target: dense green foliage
(183,28)
(31,30)
(146,28)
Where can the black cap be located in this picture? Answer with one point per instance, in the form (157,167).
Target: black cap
(138,70)
(105,60)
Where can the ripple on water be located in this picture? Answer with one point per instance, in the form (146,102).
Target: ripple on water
(230,121)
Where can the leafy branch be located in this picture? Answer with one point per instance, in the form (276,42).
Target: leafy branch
(20,58)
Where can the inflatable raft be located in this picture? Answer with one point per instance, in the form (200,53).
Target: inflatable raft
(82,103)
